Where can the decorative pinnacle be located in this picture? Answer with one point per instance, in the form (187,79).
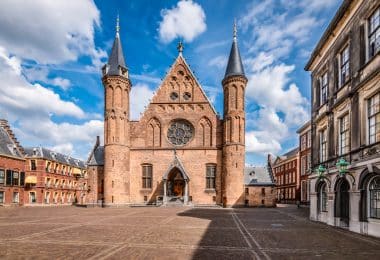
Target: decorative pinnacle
(235,29)
(117,26)
(180,47)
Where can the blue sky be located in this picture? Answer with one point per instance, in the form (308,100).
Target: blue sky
(51,53)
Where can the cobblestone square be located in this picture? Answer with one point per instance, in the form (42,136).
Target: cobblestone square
(175,233)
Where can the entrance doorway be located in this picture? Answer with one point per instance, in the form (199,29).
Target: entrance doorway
(176,184)
(342,202)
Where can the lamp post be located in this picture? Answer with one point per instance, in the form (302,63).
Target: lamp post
(341,165)
(321,171)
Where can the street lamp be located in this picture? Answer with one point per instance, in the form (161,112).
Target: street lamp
(342,166)
(321,170)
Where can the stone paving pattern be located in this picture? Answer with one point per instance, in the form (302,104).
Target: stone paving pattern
(175,233)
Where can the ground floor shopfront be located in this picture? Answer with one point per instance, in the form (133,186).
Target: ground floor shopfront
(351,200)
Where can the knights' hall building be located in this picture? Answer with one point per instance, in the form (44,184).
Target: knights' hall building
(180,151)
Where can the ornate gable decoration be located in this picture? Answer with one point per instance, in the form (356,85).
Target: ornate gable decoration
(180,86)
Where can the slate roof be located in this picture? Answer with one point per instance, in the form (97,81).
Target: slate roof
(258,176)
(291,153)
(40,152)
(116,58)
(9,145)
(96,157)
(234,65)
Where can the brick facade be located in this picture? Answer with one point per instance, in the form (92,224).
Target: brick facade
(286,172)
(180,149)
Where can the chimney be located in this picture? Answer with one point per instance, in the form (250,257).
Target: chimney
(97,141)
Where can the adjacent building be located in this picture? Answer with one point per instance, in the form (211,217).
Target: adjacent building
(12,167)
(260,188)
(304,161)
(345,122)
(54,179)
(286,174)
(180,150)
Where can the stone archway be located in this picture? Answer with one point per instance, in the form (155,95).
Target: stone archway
(176,183)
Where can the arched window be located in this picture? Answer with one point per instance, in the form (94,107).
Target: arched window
(322,197)
(374,197)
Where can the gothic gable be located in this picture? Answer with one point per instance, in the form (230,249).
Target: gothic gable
(181,87)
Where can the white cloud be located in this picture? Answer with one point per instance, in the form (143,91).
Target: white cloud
(18,96)
(186,20)
(256,143)
(49,31)
(41,74)
(140,96)
(219,61)
(30,108)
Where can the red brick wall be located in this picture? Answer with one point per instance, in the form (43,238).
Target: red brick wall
(18,165)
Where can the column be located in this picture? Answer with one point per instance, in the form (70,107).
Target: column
(165,193)
(186,198)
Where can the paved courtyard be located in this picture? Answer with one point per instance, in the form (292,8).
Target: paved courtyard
(175,233)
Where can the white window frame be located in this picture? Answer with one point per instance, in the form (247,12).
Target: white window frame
(324,78)
(323,145)
(369,33)
(369,117)
(344,135)
(17,200)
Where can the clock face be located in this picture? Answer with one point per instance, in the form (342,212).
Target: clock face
(180,132)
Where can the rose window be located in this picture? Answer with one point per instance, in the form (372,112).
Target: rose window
(180,132)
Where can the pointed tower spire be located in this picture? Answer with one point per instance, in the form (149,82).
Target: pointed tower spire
(180,47)
(234,65)
(116,63)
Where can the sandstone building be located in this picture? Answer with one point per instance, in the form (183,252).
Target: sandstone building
(345,122)
(180,151)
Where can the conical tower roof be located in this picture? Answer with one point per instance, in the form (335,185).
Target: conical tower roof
(234,65)
(116,58)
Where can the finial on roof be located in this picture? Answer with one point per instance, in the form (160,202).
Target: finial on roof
(235,29)
(117,25)
(180,47)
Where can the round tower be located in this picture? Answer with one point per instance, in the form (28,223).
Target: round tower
(117,87)
(234,84)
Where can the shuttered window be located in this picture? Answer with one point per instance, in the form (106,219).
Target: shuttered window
(147,171)
(9,178)
(210,176)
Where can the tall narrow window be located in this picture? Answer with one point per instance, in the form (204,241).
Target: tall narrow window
(374,119)
(374,33)
(308,139)
(210,176)
(374,198)
(303,165)
(147,176)
(345,65)
(323,145)
(324,88)
(2,176)
(33,165)
(16,197)
(323,197)
(344,135)
(1,197)
(15,180)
